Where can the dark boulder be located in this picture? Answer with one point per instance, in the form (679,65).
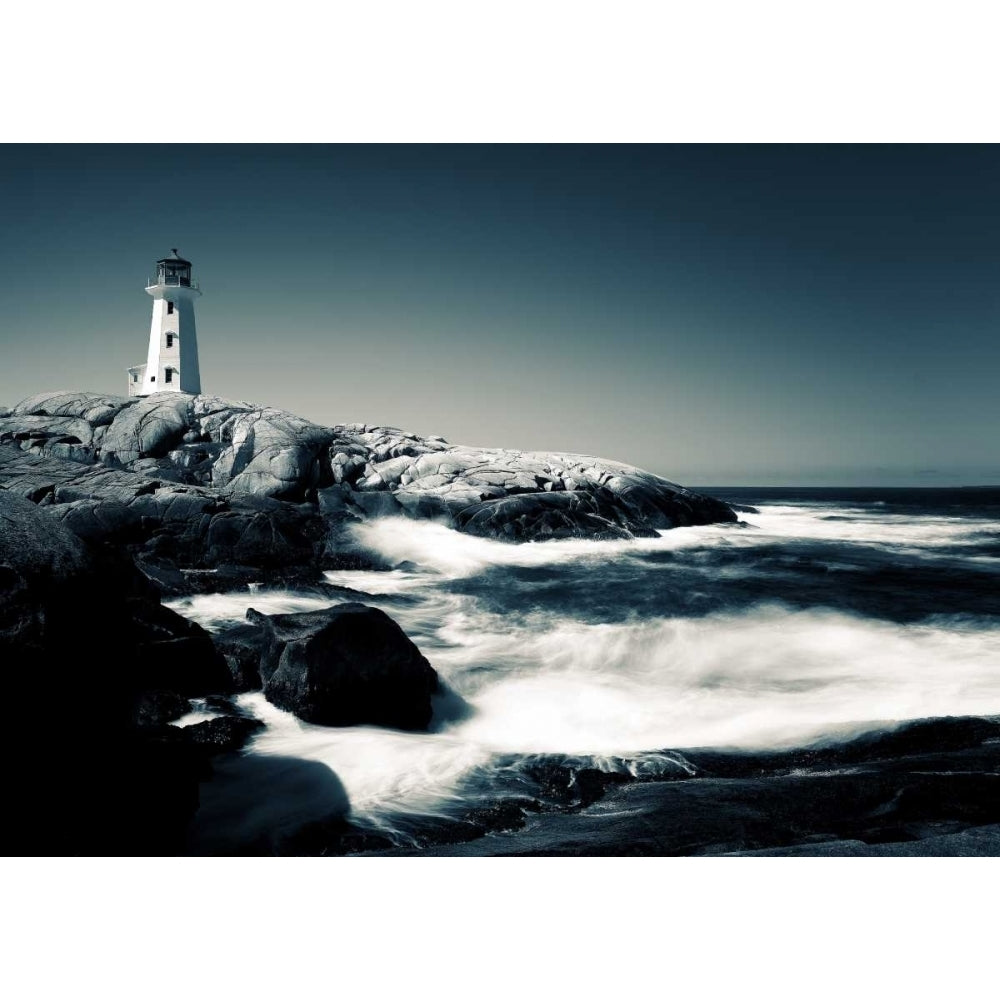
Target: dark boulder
(82,776)
(58,597)
(150,791)
(226,734)
(345,665)
(241,647)
(260,531)
(258,803)
(157,708)
(538,516)
(225,705)
(176,654)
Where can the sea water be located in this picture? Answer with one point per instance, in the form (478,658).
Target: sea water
(823,614)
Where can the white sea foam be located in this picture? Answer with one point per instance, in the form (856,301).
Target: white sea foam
(759,677)
(765,677)
(762,676)
(397,581)
(436,548)
(454,554)
(214,611)
(911,531)
(199,712)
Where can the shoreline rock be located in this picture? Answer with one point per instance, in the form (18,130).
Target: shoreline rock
(198,492)
(928,787)
(201,482)
(81,638)
(346,665)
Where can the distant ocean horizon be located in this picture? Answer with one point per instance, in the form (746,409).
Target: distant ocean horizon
(847,490)
(805,487)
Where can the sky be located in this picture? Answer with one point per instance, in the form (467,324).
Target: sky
(720,315)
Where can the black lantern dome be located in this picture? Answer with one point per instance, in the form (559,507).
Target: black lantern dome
(173,270)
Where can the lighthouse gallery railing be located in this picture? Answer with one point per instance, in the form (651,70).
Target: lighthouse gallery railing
(173,279)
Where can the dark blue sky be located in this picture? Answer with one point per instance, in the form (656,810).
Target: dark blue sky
(719,314)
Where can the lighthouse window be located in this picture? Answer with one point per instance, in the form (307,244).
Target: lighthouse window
(170,308)
(170,340)
(168,375)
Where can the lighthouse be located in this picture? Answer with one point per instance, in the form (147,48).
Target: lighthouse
(172,359)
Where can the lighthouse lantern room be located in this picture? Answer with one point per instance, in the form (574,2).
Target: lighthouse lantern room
(172,359)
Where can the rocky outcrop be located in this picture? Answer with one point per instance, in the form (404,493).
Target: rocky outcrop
(265,452)
(510,495)
(225,734)
(927,788)
(157,708)
(241,648)
(551,515)
(175,654)
(83,775)
(345,665)
(162,521)
(148,428)
(217,481)
(530,495)
(95,409)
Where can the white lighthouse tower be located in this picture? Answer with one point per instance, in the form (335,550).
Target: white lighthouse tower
(172,360)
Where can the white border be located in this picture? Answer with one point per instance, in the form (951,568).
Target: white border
(524,70)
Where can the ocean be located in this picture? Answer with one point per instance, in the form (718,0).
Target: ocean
(824,614)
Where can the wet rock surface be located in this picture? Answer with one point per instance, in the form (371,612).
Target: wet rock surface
(929,788)
(226,734)
(92,657)
(157,708)
(241,646)
(345,665)
(174,653)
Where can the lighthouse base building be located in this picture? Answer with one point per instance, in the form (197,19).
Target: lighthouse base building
(172,359)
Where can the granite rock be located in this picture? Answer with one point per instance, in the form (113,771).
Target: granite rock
(128,467)
(346,665)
